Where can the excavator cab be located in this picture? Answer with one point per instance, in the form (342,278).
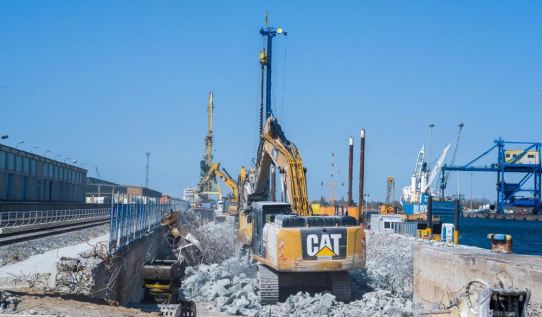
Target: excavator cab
(264,212)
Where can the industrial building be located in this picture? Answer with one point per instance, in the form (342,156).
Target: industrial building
(28,177)
(101,191)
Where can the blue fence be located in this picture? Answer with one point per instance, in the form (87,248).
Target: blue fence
(129,222)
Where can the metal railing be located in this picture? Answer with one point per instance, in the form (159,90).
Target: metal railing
(129,222)
(14,219)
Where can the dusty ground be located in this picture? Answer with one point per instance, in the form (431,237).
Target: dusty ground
(33,301)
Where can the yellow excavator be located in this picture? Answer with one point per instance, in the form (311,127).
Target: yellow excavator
(233,199)
(293,247)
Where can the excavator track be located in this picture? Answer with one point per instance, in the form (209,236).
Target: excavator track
(269,285)
(341,286)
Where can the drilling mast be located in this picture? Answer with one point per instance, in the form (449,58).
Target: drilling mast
(211,187)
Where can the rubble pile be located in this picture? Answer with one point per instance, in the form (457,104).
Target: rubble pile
(18,252)
(216,239)
(390,264)
(8,302)
(378,303)
(385,289)
(231,286)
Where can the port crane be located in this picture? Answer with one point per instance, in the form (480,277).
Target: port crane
(292,247)
(443,181)
(524,162)
(209,185)
(388,208)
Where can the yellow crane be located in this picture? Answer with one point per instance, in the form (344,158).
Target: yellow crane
(208,185)
(388,208)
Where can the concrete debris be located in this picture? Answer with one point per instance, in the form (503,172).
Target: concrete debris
(233,288)
(390,265)
(378,303)
(230,286)
(216,242)
(18,252)
(8,302)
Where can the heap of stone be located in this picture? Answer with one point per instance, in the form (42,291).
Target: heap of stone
(378,303)
(8,302)
(390,264)
(231,286)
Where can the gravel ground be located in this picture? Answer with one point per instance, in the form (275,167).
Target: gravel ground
(18,252)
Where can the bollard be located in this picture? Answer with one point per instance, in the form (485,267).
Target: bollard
(500,243)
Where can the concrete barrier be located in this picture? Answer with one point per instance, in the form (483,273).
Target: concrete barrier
(441,272)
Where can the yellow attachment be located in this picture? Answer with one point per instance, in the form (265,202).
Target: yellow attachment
(157,286)
(263,58)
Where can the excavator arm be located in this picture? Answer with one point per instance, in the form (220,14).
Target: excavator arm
(226,178)
(275,149)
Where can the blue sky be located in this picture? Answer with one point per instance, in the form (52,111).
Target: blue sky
(105,82)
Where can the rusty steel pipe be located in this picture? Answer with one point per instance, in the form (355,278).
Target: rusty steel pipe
(361,172)
(350,170)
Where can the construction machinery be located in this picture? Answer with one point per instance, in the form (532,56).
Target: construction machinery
(209,185)
(388,208)
(214,172)
(293,247)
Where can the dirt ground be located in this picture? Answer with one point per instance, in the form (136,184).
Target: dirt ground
(54,304)
(67,305)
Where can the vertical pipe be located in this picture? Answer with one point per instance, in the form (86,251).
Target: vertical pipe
(456,221)
(361,172)
(273,184)
(350,170)
(268,79)
(430,217)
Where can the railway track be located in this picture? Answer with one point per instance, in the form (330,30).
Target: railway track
(36,233)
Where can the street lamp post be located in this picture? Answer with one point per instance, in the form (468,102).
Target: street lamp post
(32,149)
(366,201)
(16,145)
(69,158)
(46,152)
(57,156)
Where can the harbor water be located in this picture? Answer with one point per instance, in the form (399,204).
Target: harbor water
(526,235)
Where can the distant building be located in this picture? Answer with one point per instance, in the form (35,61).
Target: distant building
(100,191)
(30,177)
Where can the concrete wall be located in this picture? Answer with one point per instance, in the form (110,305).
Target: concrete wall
(128,286)
(441,271)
